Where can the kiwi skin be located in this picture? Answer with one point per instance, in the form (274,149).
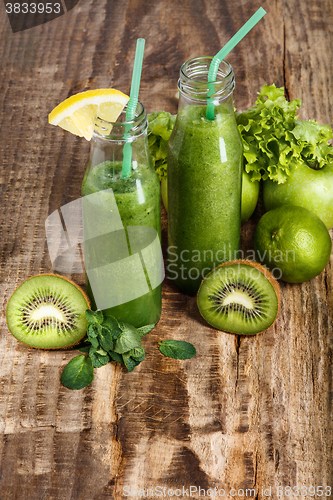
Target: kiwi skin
(265,272)
(69,281)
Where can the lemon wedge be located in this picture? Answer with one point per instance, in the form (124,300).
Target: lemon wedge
(78,113)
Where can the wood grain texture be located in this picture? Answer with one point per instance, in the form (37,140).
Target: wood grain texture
(245,413)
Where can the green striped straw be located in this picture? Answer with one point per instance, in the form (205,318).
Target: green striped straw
(132,104)
(214,65)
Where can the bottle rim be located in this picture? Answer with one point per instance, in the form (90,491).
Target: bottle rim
(116,130)
(193,80)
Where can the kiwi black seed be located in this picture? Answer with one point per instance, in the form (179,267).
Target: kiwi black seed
(48,312)
(239,297)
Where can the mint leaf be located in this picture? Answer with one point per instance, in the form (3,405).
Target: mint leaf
(116,357)
(133,358)
(138,353)
(85,348)
(98,357)
(78,373)
(94,316)
(143,330)
(112,324)
(105,338)
(129,362)
(92,330)
(129,339)
(92,333)
(177,349)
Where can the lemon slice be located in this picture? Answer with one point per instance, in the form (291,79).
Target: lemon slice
(78,113)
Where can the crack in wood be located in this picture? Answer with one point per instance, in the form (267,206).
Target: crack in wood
(255,471)
(326,284)
(313,377)
(286,89)
(237,347)
(277,460)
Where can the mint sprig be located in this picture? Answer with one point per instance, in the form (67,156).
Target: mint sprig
(110,340)
(107,340)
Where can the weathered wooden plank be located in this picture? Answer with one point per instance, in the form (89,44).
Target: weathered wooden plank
(246,412)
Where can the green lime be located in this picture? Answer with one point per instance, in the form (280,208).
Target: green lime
(293,243)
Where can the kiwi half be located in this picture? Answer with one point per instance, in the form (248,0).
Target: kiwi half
(48,312)
(239,297)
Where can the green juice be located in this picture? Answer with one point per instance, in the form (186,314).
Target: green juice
(138,202)
(204,194)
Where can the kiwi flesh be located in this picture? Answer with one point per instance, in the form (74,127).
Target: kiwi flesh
(47,312)
(239,297)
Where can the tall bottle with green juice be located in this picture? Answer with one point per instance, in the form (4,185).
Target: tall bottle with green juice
(204,177)
(122,223)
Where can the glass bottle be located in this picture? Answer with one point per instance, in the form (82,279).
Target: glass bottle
(204,177)
(122,223)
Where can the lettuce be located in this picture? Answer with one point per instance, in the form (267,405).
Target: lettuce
(160,126)
(274,140)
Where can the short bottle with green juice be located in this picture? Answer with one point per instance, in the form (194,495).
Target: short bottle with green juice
(204,176)
(122,223)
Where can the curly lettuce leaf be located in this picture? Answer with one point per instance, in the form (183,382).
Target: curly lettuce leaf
(314,138)
(274,140)
(160,126)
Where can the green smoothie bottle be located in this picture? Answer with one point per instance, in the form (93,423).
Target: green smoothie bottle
(122,223)
(204,177)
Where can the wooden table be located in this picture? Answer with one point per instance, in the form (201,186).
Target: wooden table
(245,413)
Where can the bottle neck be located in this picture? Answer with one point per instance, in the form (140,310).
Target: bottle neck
(193,83)
(121,131)
(109,139)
